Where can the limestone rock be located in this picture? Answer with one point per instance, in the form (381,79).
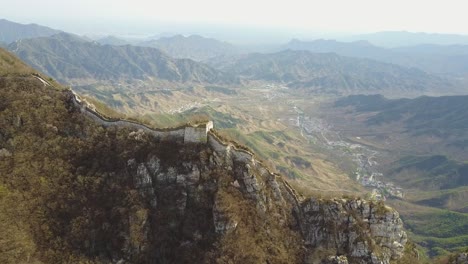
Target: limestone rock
(343,230)
(143,178)
(336,260)
(153,165)
(354,228)
(5,153)
(222,222)
(144,183)
(461,258)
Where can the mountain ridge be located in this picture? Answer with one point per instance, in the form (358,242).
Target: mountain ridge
(405,38)
(12,31)
(71,58)
(193,47)
(435,59)
(332,73)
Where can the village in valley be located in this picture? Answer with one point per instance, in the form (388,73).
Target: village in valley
(318,131)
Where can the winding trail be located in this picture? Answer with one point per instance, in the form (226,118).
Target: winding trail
(37,76)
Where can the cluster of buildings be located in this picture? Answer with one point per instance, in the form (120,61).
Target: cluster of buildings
(380,190)
(364,158)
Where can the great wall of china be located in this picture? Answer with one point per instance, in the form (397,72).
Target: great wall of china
(202,133)
(196,133)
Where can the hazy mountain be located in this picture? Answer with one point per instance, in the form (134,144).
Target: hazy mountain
(193,47)
(68,57)
(11,31)
(162,35)
(112,40)
(449,60)
(329,72)
(361,49)
(449,50)
(403,38)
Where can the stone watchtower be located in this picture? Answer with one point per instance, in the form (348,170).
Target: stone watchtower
(197,133)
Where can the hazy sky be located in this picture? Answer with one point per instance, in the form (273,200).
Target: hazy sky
(355,16)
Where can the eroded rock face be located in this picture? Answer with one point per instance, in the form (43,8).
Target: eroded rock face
(143,180)
(461,258)
(207,199)
(366,231)
(5,153)
(336,260)
(223,223)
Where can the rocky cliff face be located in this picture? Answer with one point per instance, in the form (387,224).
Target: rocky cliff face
(215,204)
(364,232)
(461,258)
(222,197)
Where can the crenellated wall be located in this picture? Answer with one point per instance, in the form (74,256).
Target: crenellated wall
(188,133)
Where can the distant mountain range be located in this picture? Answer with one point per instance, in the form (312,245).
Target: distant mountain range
(71,58)
(11,31)
(111,40)
(449,50)
(360,49)
(75,59)
(392,39)
(446,60)
(192,47)
(330,72)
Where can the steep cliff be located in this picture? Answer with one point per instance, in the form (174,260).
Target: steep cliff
(220,204)
(73,190)
(354,229)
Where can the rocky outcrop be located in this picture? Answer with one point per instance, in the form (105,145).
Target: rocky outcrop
(461,258)
(367,232)
(143,180)
(346,230)
(336,260)
(358,230)
(5,153)
(223,223)
(215,202)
